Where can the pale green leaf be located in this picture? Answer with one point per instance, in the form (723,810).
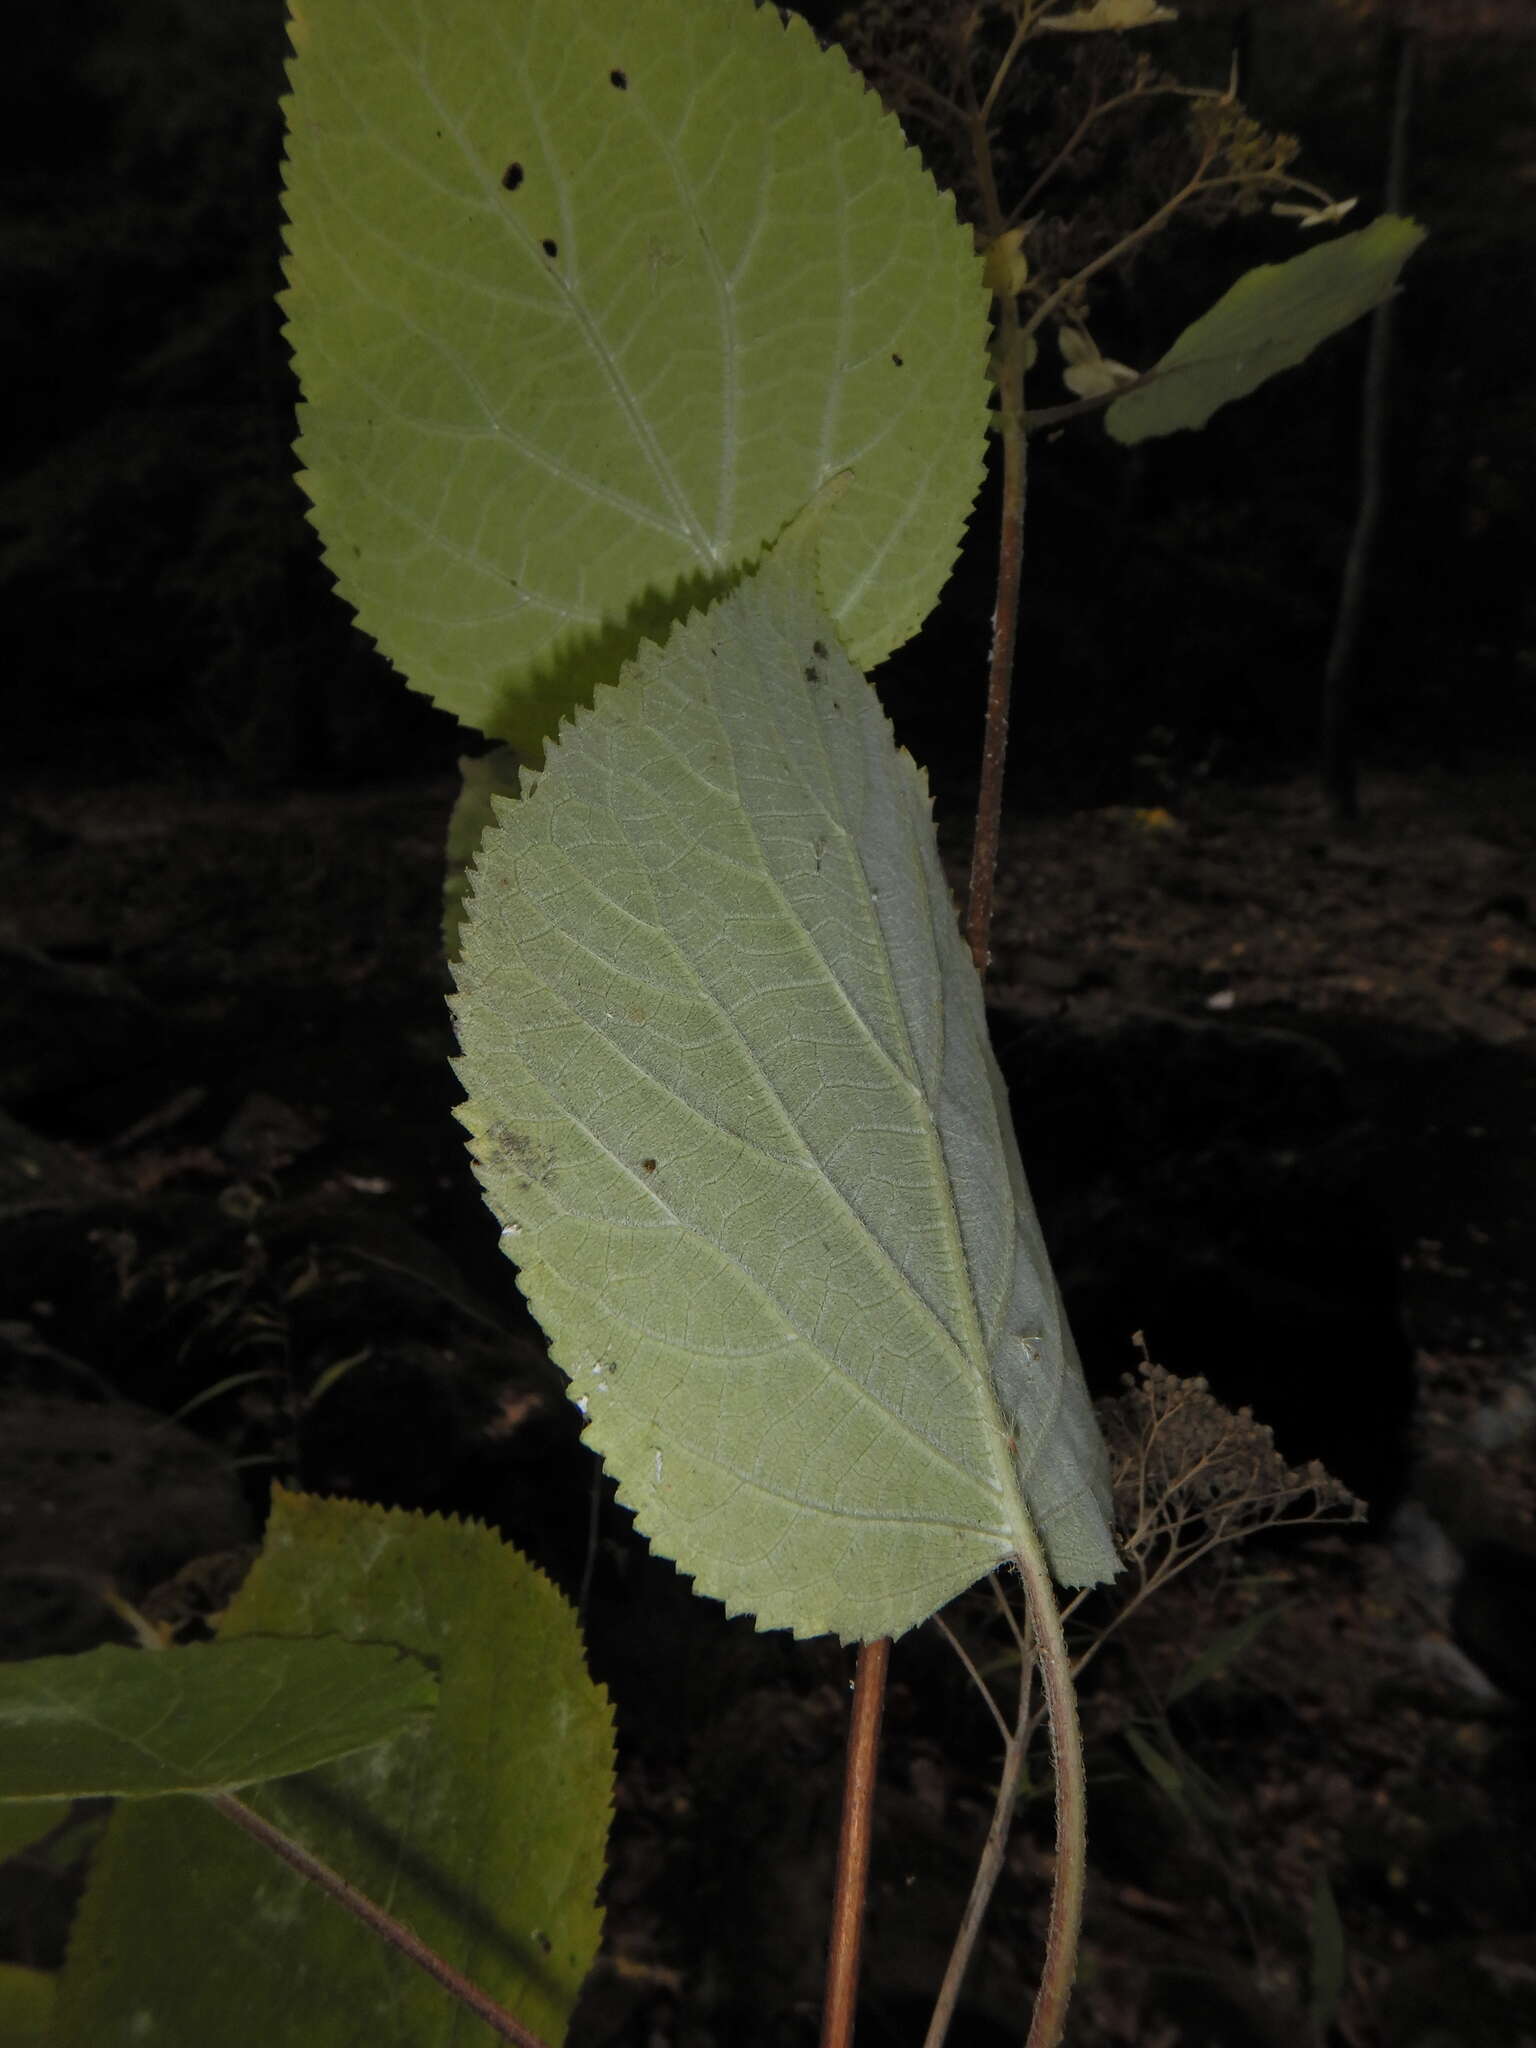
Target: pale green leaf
(136,1724)
(1270,320)
(733,1101)
(484,1831)
(586,302)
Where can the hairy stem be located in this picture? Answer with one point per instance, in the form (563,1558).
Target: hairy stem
(1060,1965)
(373,1917)
(841,1992)
(1050,2015)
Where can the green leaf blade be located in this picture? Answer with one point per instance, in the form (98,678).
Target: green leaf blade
(134,1724)
(1270,320)
(483,1831)
(520,461)
(732,1098)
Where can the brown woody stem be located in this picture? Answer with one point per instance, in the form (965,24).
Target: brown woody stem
(840,2003)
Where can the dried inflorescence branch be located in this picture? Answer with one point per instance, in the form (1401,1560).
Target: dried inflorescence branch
(1076,144)
(1190,1475)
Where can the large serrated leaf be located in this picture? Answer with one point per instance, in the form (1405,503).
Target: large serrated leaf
(1270,320)
(732,1098)
(484,1832)
(136,1724)
(586,302)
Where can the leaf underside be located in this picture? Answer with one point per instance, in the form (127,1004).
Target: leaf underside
(732,1099)
(1270,320)
(586,303)
(484,1832)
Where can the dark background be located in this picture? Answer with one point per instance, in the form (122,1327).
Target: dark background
(1273,1079)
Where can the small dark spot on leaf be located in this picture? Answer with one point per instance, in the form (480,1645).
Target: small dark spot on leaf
(835,705)
(811,672)
(545,1944)
(647,1166)
(620,79)
(512,177)
(514,1150)
(819,649)
(550,247)
(897,361)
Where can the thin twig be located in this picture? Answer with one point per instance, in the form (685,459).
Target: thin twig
(373,1917)
(989,1867)
(840,2002)
(1021,33)
(1015,1627)
(973,1674)
(1155,220)
(902,84)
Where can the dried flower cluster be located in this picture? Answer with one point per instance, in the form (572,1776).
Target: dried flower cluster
(1190,1475)
(1053,131)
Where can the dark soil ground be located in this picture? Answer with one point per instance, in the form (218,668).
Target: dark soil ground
(1276,1089)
